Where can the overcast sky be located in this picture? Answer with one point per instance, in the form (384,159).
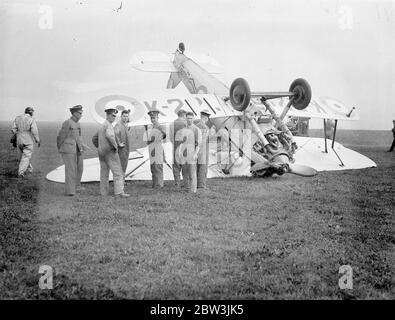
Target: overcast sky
(345,49)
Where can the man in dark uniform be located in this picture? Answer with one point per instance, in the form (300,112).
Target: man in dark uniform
(71,147)
(176,139)
(122,134)
(202,161)
(155,135)
(393,142)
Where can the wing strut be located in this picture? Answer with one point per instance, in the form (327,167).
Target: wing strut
(333,141)
(326,149)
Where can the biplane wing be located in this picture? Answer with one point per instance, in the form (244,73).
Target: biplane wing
(168,103)
(154,61)
(321,108)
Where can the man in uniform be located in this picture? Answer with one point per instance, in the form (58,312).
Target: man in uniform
(122,134)
(25,129)
(107,145)
(71,147)
(176,138)
(155,136)
(202,161)
(393,133)
(189,152)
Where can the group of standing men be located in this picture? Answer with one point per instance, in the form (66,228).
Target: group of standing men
(190,149)
(113,149)
(190,152)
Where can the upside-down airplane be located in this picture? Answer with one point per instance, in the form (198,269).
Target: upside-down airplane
(240,115)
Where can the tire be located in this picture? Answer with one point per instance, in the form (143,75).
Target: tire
(240,94)
(303,93)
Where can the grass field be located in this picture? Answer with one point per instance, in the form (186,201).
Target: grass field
(245,238)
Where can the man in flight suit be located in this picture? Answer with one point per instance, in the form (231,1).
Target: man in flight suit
(189,152)
(202,161)
(71,147)
(108,156)
(155,136)
(178,124)
(122,134)
(25,129)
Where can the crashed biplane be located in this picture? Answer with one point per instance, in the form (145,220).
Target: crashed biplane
(240,117)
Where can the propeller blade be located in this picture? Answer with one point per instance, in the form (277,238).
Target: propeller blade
(301,170)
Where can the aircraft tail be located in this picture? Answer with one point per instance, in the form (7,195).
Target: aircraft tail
(194,71)
(154,61)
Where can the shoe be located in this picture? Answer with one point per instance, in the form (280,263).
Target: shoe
(123,195)
(22,175)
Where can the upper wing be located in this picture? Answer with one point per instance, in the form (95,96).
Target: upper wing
(322,108)
(169,103)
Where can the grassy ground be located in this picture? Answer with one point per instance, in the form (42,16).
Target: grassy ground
(281,238)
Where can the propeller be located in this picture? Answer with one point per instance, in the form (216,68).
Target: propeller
(302,170)
(297,169)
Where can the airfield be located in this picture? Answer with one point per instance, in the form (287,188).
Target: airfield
(244,238)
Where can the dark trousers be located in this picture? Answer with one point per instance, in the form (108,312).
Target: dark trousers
(392,146)
(202,175)
(73,167)
(157,175)
(177,169)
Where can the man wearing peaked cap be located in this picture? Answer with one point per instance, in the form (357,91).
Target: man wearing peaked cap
(109,157)
(25,132)
(111,111)
(77,108)
(202,161)
(153,112)
(71,148)
(205,112)
(154,138)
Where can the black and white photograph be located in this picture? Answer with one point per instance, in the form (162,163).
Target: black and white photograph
(208,152)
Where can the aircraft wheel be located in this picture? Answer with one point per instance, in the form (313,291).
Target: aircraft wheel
(240,94)
(303,93)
